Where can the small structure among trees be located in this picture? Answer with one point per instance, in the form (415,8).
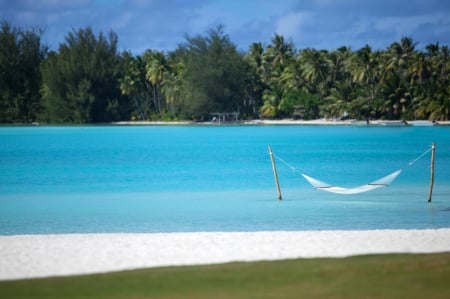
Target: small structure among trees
(224,117)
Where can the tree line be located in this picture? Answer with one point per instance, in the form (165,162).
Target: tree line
(87,80)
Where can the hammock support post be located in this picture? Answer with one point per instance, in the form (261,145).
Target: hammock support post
(275,175)
(430,192)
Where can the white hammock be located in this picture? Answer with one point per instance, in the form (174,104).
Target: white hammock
(383,182)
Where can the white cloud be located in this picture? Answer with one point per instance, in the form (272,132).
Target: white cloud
(406,25)
(122,20)
(161,24)
(292,24)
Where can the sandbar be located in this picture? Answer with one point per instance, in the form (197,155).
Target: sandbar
(33,256)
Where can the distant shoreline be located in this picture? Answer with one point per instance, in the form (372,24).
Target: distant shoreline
(315,122)
(255,122)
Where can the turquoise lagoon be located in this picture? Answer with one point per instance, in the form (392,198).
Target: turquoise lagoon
(108,179)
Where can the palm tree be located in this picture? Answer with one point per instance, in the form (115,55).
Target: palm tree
(271,102)
(420,69)
(274,60)
(365,70)
(443,64)
(338,64)
(316,69)
(134,84)
(430,79)
(438,104)
(156,67)
(255,57)
(277,56)
(280,51)
(400,54)
(399,57)
(257,77)
(173,86)
(292,76)
(339,81)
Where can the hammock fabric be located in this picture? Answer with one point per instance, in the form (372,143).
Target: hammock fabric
(383,182)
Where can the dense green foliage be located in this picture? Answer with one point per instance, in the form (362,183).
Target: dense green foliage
(21,53)
(86,80)
(383,276)
(79,83)
(213,75)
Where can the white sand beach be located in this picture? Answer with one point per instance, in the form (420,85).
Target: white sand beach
(283,122)
(30,256)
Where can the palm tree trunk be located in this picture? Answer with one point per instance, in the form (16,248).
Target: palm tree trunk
(156,100)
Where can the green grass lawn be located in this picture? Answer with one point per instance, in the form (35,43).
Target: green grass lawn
(375,276)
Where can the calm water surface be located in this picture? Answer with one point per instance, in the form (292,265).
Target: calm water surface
(91,179)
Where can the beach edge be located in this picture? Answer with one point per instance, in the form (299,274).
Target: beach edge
(37,256)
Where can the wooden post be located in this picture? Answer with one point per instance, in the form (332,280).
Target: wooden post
(430,192)
(274,168)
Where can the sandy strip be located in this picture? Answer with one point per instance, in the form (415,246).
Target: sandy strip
(315,122)
(27,256)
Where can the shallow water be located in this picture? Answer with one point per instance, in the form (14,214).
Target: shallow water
(216,178)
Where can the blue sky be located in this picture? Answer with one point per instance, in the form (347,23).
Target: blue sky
(162,24)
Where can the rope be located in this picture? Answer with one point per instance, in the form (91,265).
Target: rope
(287,164)
(296,170)
(419,157)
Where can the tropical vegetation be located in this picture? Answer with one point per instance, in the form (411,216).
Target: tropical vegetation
(87,80)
